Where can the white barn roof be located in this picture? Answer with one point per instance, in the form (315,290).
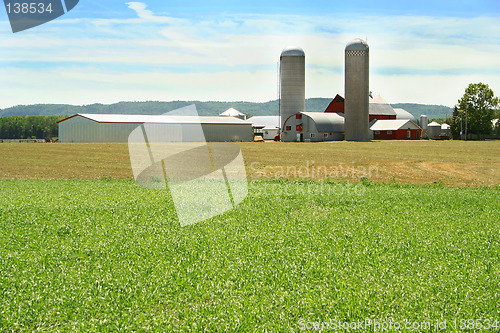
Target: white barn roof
(157,119)
(403,114)
(393,125)
(269,122)
(231,112)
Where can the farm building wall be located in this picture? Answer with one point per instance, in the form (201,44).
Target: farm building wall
(401,134)
(227,132)
(80,129)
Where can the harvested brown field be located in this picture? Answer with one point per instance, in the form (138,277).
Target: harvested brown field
(452,163)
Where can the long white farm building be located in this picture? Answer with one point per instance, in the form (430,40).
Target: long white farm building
(117,127)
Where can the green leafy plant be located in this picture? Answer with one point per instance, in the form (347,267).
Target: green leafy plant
(110,256)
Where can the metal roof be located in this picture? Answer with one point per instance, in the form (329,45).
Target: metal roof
(379,106)
(327,122)
(292,51)
(434,124)
(381,109)
(445,126)
(269,122)
(158,119)
(393,125)
(231,112)
(403,114)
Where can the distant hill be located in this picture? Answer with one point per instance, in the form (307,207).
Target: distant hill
(432,111)
(204,108)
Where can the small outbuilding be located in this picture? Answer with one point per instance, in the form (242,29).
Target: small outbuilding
(268,126)
(445,131)
(434,130)
(402,129)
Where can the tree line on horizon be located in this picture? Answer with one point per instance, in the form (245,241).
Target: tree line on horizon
(29,127)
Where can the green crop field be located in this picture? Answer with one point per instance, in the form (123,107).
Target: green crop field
(80,255)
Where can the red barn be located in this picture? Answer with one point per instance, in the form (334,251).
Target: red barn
(336,105)
(378,108)
(402,129)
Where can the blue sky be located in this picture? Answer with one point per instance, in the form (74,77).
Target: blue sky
(105,52)
(457,8)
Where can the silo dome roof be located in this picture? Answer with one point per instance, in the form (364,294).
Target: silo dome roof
(292,51)
(357,44)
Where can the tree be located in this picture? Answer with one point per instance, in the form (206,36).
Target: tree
(456,125)
(476,109)
(24,127)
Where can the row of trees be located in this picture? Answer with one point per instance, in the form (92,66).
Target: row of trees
(29,127)
(474,114)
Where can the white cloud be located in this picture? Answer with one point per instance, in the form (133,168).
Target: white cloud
(421,59)
(75,85)
(145,14)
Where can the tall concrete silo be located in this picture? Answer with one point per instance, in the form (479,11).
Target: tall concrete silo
(292,86)
(357,80)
